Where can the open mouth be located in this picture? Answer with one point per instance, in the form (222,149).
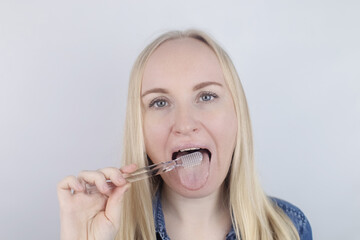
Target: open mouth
(196,177)
(183,152)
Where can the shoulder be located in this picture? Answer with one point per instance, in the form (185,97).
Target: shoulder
(298,218)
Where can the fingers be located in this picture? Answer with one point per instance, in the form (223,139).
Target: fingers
(129,168)
(65,190)
(75,200)
(114,175)
(113,209)
(99,179)
(70,183)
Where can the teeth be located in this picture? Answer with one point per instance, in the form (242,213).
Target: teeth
(188,149)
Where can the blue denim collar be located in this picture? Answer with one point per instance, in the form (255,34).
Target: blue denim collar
(295,214)
(160,221)
(159,218)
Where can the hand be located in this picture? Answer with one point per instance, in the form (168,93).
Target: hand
(95,215)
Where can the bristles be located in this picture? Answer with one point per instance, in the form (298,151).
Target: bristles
(192,159)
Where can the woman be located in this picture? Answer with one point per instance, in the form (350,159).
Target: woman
(184,95)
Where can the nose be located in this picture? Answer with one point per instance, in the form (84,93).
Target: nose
(185,122)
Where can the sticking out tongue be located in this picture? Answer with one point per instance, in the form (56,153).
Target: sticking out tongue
(193,178)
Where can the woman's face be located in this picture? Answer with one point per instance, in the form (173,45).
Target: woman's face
(187,105)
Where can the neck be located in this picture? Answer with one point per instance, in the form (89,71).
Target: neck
(208,215)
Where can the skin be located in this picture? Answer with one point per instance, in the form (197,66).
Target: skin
(92,216)
(187,104)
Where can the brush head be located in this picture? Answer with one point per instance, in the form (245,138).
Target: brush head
(191,160)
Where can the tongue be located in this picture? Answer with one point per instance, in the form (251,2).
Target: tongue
(193,178)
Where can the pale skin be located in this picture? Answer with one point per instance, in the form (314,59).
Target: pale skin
(186,103)
(92,216)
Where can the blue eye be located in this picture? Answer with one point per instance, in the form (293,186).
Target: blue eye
(158,103)
(207,96)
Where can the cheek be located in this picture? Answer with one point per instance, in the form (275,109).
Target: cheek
(224,127)
(155,134)
(224,131)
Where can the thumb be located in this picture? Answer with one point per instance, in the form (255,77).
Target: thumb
(113,209)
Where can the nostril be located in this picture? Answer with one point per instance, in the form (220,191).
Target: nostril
(185,122)
(186,130)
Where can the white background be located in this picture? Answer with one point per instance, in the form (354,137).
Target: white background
(64,68)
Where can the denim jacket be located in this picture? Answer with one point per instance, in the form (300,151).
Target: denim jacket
(295,214)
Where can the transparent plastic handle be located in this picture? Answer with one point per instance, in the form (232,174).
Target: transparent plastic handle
(151,171)
(188,160)
(140,174)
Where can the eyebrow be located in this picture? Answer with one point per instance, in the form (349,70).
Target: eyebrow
(205,84)
(155,90)
(196,87)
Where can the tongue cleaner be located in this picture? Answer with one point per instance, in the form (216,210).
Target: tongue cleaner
(185,161)
(196,177)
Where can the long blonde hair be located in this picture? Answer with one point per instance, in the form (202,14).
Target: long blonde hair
(254,216)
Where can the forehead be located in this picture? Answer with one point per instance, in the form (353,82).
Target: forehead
(181,60)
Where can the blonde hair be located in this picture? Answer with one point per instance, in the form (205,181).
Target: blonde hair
(254,215)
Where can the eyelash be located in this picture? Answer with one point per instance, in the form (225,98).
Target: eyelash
(155,101)
(208,93)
